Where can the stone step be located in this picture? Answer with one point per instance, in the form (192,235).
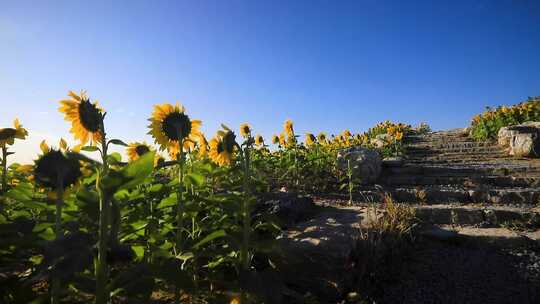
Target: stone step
(443,161)
(450,145)
(437,194)
(475,157)
(479,215)
(454,153)
(499,181)
(502,237)
(427,151)
(478,169)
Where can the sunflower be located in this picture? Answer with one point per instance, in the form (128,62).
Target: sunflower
(310,139)
(347,133)
(259,140)
(321,137)
(289,130)
(282,140)
(245,130)
(55,166)
(169,126)
(202,145)
(275,139)
(222,147)
(8,135)
(136,149)
(399,136)
(86,117)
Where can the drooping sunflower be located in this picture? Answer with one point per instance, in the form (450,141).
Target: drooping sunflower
(282,139)
(245,130)
(86,117)
(310,139)
(169,125)
(289,129)
(275,139)
(259,140)
(202,146)
(321,137)
(137,149)
(222,147)
(8,135)
(54,167)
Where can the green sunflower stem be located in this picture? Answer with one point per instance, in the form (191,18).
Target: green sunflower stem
(102,271)
(246,221)
(180,211)
(4,169)
(55,284)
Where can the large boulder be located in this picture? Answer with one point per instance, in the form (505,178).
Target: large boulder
(526,144)
(314,254)
(521,140)
(505,135)
(288,208)
(365,163)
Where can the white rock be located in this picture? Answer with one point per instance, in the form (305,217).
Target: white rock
(365,163)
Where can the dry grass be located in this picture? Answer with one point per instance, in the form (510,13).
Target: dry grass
(382,242)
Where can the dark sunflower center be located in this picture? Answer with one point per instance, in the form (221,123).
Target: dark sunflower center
(54,166)
(229,141)
(7,133)
(176,125)
(90,116)
(141,150)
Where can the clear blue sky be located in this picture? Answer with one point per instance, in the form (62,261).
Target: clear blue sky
(328,65)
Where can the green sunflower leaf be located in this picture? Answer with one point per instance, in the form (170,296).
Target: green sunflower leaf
(89,148)
(117,142)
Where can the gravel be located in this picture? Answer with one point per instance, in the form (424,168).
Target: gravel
(438,272)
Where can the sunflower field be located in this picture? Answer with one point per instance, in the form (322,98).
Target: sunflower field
(176,221)
(486,125)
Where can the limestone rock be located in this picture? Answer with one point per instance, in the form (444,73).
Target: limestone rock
(396,161)
(526,144)
(365,163)
(505,136)
(288,208)
(521,140)
(315,253)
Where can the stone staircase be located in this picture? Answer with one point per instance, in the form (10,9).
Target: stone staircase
(477,210)
(450,167)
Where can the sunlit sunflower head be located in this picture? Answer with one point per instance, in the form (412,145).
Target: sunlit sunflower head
(245,130)
(399,136)
(288,126)
(54,168)
(8,135)
(137,149)
(86,117)
(282,139)
(321,137)
(347,133)
(222,147)
(275,139)
(259,140)
(310,139)
(170,125)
